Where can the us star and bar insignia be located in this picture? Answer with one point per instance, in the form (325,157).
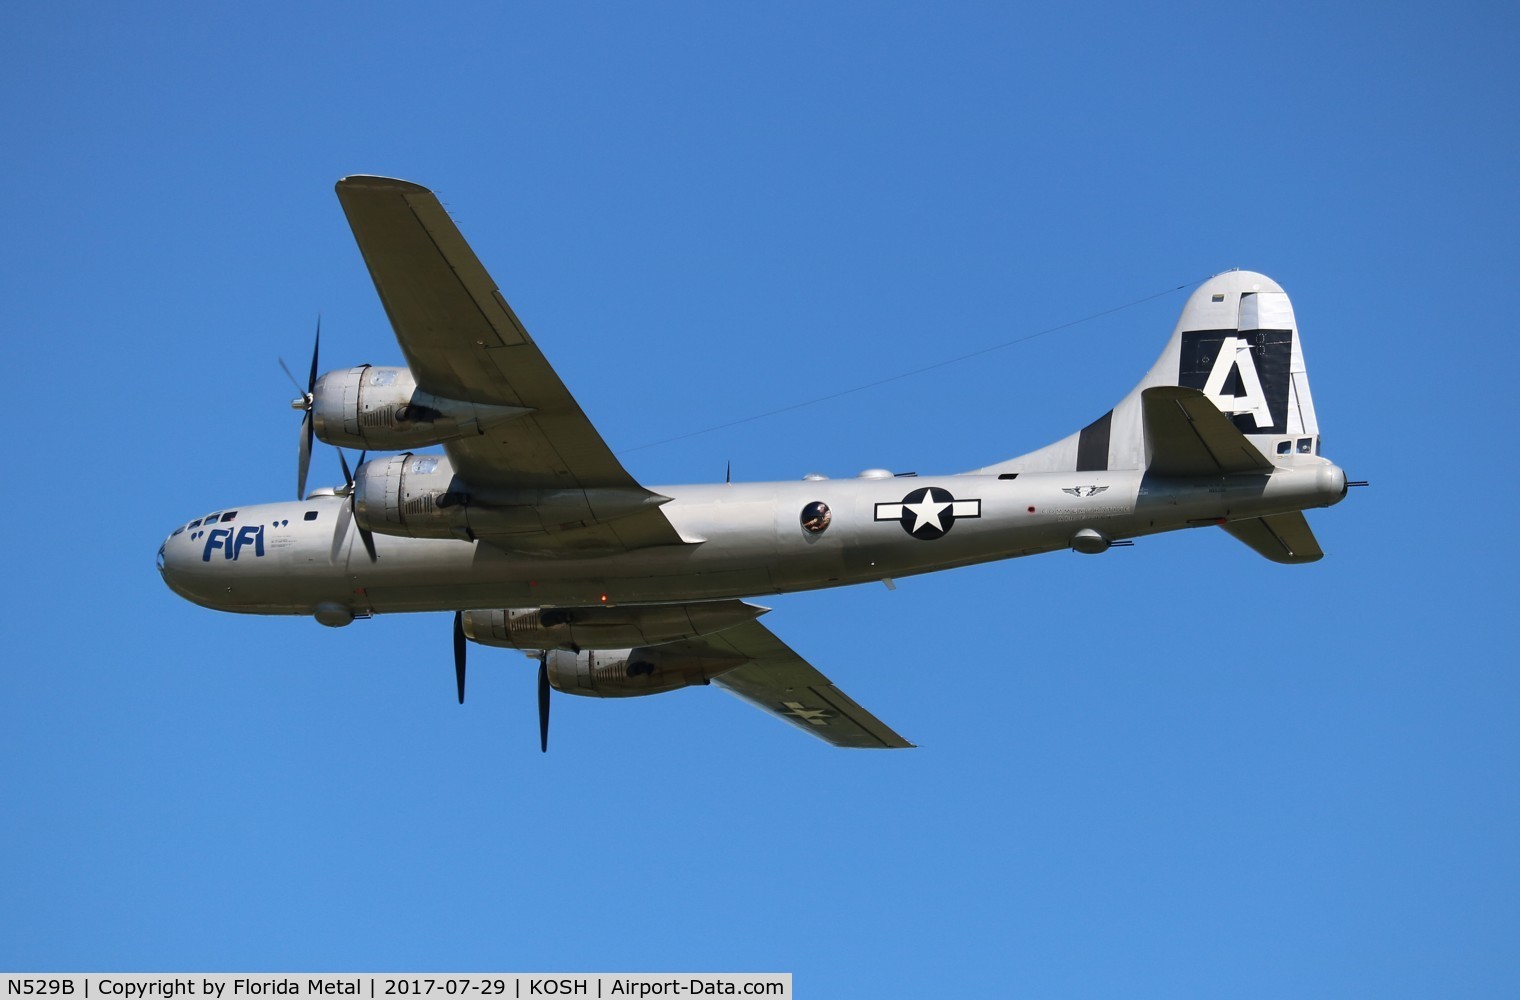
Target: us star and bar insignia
(929,512)
(812,716)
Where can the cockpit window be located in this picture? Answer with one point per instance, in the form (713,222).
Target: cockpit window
(228,516)
(210,518)
(177,531)
(194,524)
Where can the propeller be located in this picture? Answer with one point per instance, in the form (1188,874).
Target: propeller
(543,702)
(460,641)
(303,461)
(459,647)
(365,535)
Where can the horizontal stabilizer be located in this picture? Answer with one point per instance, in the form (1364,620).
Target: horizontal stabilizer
(1282,538)
(1189,436)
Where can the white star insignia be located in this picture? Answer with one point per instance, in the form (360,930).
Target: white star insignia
(812,716)
(928,511)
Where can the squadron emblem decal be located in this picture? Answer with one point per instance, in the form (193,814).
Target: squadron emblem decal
(928,513)
(1083,491)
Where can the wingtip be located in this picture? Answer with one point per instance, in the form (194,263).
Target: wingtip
(374,182)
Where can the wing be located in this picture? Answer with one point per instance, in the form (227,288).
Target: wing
(782,683)
(462,341)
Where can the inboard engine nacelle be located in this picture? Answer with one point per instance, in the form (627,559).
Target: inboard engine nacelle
(420,496)
(609,627)
(381,409)
(626,673)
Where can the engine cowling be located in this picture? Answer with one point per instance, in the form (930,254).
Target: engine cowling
(628,673)
(381,409)
(416,496)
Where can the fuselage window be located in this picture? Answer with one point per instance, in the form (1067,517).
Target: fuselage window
(1284,447)
(1304,445)
(816,517)
(311,515)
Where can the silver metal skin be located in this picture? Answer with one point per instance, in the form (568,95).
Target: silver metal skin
(604,627)
(531,527)
(381,409)
(627,673)
(753,542)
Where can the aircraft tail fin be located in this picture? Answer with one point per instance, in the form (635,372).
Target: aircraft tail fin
(1282,538)
(1236,348)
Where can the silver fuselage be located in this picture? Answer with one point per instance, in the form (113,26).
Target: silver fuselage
(742,539)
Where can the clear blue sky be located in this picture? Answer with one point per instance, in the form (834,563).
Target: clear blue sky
(1173,770)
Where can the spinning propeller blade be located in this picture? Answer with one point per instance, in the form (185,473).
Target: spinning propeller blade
(303,451)
(365,535)
(543,702)
(459,647)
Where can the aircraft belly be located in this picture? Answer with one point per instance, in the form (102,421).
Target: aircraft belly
(578,591)
(417,575)
(760,545)
(758,542)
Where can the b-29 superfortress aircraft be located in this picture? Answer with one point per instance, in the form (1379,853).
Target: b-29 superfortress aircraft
(533,533)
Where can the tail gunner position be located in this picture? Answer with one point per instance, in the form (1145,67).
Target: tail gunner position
(531,531)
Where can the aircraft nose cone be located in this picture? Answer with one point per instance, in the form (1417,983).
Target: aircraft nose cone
(171,565)
(165,562)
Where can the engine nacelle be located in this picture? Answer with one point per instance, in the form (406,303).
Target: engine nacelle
(609,627)
(627,673)
(381,409)
(419,496)
(416,496)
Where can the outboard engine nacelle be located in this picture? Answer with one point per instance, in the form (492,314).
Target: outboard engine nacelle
(381,409)
(626,673)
